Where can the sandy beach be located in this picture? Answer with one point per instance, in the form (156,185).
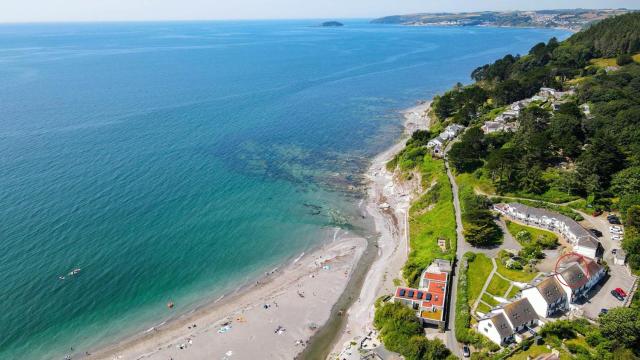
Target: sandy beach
(272,319)
(388,202)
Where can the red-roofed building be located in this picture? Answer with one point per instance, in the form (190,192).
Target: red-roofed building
(429,300)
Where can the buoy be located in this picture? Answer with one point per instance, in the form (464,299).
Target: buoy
(170,304)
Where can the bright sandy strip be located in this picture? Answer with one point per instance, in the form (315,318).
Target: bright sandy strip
(391,224)
(299,297)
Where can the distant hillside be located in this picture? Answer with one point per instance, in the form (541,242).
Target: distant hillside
(574,19)
(611,37)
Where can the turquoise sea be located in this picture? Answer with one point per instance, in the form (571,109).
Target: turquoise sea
(176,161)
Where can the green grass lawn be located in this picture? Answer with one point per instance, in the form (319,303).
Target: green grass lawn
(489,299)
(498,286)
(515,228)
(537,350)
(475,181)
(514,291)
(514,275)
(478,273)
(483,308)
(431,217)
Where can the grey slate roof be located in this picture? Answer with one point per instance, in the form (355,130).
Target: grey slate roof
(585,238)
(502,325)
(520,312)
(574,276)
(550,290)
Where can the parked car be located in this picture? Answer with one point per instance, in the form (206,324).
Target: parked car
(597,213)
(613,220)
(617,238)
(616,295)
(596,233)
(615,230)
(465,351)
(603,311)
(621,292)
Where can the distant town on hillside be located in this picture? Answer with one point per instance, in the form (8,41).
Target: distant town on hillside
(572,19)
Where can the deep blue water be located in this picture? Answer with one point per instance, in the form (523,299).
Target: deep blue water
(174,161)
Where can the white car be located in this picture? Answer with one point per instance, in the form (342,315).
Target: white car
(615,230)
(617,237)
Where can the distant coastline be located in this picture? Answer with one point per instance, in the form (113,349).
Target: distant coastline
(571,19)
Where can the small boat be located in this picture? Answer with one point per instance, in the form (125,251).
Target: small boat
(170,304)
(74,272)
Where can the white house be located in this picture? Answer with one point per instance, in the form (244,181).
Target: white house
(438,141)
(584,243)
(452,131)
(430,299)
(492,126)
(510,322)
(547,297)
(578,278)
(496,327)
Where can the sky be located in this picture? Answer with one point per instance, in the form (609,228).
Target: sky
(123,10)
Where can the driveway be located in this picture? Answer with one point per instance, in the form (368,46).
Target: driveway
(619,275)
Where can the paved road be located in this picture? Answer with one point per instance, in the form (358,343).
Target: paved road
(462,248)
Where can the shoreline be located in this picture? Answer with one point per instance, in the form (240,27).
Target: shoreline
(296,299)
(178,337)
(388,203)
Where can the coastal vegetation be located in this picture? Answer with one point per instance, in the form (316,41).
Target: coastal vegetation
(564,154)
(401,332)
(468,281)
(431,216)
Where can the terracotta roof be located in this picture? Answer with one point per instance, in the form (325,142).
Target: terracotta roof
(520,312)
(438,277)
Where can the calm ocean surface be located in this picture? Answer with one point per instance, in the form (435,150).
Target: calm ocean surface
(175,161)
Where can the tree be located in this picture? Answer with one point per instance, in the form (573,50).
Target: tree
(401,332)
(621,325)
(626,181)
(596,164)
(565,132)
(624,59)
(466,154)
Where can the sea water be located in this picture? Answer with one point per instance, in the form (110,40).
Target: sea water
(176,161)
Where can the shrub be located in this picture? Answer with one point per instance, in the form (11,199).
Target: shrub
(401,332)
(624,59)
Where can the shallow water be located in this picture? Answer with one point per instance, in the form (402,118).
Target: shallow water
(174,161)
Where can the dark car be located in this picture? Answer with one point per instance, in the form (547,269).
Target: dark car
(603,311)
(465,351)
(616,295)
(597,213)
(596,233)
(613,219)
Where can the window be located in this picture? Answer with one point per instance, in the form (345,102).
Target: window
(486,330)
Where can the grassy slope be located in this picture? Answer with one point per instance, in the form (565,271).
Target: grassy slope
(498,286)
(515,228)
(514,275)
(479,271)
(430,220)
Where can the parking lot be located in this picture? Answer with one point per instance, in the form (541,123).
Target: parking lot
(619,275)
